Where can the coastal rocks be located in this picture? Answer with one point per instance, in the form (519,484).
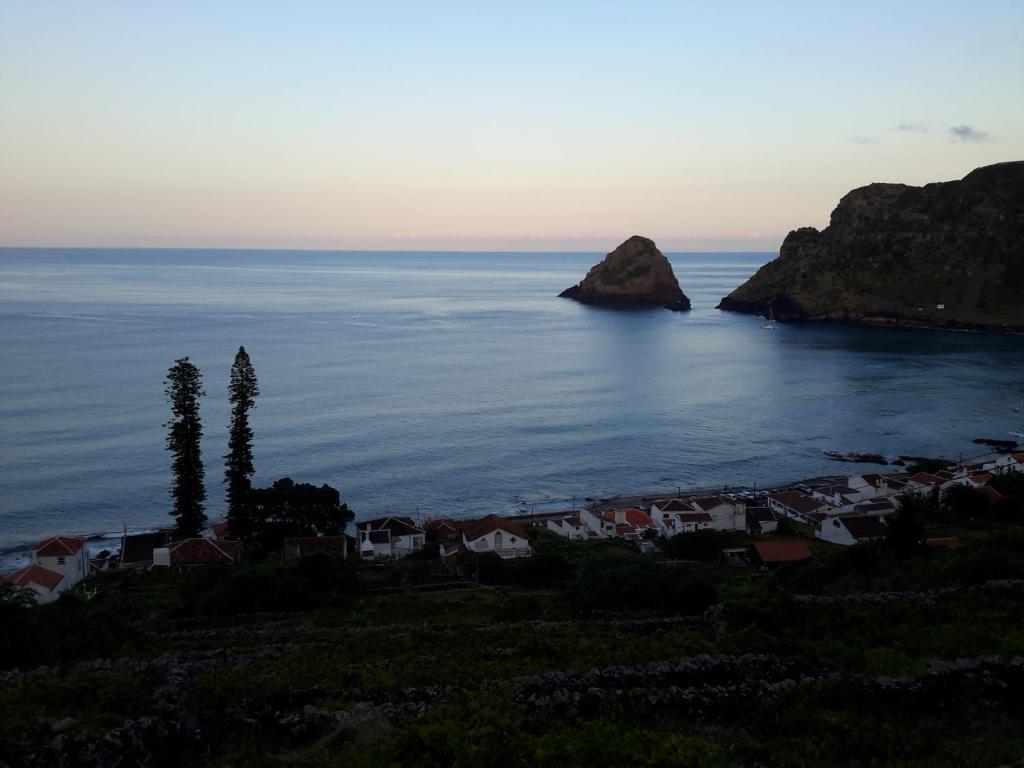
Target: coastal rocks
(944,255)
(636,274)
(857,458)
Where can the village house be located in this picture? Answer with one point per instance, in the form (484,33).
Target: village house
(836,495)
(137,549)
(882,506)
(866,486)
(726,514)
(664,515)
(44,584)
(570,527)
(852,529)
(58,563)
(597,526)
(443,529)
(924,482)
(505,538)
(760,520)
(300,546)
(403,537)
(188,554)
(630,523)
(690,522)
(65,555)
(797,505)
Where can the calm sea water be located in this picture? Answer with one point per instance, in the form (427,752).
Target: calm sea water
(447,383)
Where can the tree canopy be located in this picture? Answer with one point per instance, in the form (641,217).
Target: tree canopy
(238,463)
(183,388)
(288,509)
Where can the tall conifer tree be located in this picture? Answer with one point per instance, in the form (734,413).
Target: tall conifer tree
(242,392)
(184,387)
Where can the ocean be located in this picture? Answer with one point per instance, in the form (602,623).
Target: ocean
(439,384)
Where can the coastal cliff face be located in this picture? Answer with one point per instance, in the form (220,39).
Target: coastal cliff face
(949,255)
(634,274)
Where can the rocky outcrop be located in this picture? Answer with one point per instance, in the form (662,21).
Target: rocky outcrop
(948,255)
(635,274)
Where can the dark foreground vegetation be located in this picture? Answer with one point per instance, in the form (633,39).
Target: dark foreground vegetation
(588,654)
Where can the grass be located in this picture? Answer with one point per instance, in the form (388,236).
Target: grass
(435,678)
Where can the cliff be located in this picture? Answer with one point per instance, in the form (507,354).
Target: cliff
(949,254)
(634,274)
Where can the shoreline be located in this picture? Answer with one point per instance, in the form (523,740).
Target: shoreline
(16,556)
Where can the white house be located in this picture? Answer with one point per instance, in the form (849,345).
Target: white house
(726,515)
(65,555)
(689,522)
(597,526)
(570,527)
(630,522)
(852,529)
(403,536)
(45,585)
(664,515)
(496,534)
(797,506)
(837,495)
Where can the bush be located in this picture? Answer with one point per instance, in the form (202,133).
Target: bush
(640,585)
(705,546)
(268,587)
(540,571)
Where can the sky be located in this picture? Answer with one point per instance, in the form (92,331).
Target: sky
(485,125)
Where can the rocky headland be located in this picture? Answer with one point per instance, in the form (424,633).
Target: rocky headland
(636,274)
(945,255)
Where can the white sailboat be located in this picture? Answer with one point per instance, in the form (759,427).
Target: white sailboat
(769,323)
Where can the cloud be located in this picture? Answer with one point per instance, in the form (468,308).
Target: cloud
(913,127)
(967,133)
(864,140)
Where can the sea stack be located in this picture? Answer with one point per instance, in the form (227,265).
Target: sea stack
(636,274)
(945,255)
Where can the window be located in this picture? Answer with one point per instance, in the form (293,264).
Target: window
(60,560)
(497,539)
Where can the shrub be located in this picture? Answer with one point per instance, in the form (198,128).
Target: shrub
(641,585)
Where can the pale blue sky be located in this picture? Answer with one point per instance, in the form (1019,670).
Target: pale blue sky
(484,125)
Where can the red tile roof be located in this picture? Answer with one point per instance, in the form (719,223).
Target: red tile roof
(1018,457)
(981,478)
(59,546)
(635,517)
(34,574)
(673,505)
(205,551)
(797,501)
(221,530)
(783,551)
(704,503)
(478,528)
(944,541)
(925,478)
